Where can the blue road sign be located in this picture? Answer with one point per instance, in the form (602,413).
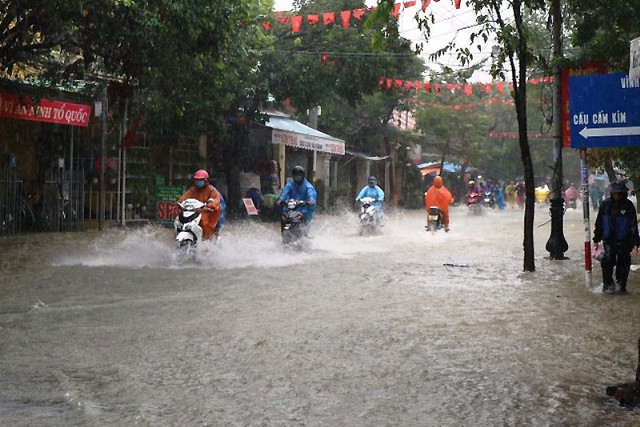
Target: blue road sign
(604,111)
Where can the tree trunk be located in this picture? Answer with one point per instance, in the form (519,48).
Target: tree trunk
(520,90)
(608,168)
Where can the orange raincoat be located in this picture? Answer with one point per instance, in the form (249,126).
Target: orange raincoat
(209,218)
(439,196)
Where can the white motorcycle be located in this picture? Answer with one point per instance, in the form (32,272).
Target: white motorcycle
(187,224)
(368,215)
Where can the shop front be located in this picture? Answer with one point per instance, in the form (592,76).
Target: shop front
(42,173)
(297,144)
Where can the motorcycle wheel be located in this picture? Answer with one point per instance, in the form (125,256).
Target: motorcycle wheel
(434,226)
(187,246)
(287,237)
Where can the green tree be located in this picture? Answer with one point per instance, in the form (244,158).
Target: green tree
(516,52)
(339,69)
(33,35)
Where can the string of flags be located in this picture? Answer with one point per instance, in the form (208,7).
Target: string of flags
(387,83)
(329,18)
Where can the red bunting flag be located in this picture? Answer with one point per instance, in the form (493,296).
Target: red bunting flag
(409,4)
(425,3)
(396,10)
(323,57)
(427,87)
(312,19)
(329,18)
(296,23)
(345,15)
(468,90)
(398,83)
(283,20)
(417,85)
(500,87)
(358,13)
(408,85)
(389,83)
(266,25)
(457,3)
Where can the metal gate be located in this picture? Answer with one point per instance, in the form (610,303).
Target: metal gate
(11,201)
(62,206)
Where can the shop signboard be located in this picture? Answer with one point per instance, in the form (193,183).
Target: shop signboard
(309,142)
(60,112)
(166,208)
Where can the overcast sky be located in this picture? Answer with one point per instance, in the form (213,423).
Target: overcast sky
(451,24)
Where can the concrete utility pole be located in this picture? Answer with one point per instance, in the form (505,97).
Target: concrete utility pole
(557,244)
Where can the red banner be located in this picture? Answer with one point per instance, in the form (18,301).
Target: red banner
(587,68)
(65,113)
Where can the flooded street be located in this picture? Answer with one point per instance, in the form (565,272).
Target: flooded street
(402,328)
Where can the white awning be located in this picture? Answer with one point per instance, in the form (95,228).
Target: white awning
(291,132)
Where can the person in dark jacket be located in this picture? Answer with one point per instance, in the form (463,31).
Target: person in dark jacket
(617,229)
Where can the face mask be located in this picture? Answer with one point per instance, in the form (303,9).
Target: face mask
(200,183)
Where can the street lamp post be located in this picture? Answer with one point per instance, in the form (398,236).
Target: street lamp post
(557,244)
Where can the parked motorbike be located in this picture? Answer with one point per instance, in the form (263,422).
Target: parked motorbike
(187,225)
(434,219)
(368,215)
(473,203)
(571,204)
(292,222)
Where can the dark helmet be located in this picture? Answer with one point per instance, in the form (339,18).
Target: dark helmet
(298,174)
(618,186)
(372,179)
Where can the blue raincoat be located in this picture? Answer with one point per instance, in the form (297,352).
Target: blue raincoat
(376,193)
(303,191)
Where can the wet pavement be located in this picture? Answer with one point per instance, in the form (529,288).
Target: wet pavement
(400,328)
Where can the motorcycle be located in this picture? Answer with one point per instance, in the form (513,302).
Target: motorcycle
(187,225)
(488,199)
(434,219)
(368,215)
(292,222)
(571,204)
(473,203)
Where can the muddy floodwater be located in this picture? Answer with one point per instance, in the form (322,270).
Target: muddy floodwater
(403,328)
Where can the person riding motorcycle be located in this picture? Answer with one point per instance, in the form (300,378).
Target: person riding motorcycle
(300,189)
(439,196)
(473,193)
(206,193)
(372,190)
(571,194)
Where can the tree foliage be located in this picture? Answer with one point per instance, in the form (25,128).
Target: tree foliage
(188,61)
